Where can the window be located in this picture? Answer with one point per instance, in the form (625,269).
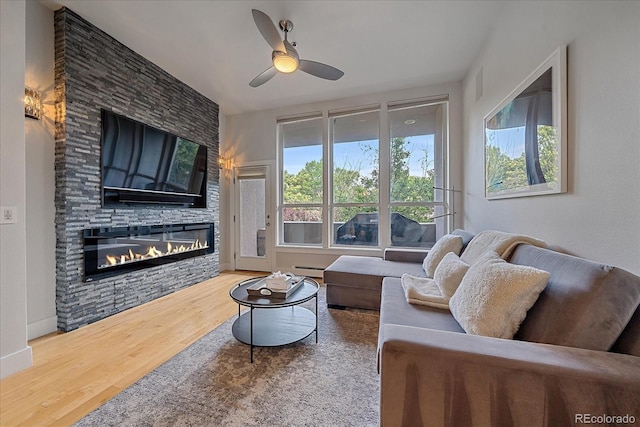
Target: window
(334,191)
(417,134)
(302,183)
(355,175)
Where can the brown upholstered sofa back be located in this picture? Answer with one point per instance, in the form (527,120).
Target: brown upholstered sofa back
(585,304)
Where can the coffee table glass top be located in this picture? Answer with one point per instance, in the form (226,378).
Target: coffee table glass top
(305,292)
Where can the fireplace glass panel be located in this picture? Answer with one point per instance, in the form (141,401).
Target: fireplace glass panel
(111,251)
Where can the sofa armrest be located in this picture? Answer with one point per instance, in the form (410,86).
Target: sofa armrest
(405,255)
(433,378)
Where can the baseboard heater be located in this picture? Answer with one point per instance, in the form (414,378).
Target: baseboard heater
(308,271)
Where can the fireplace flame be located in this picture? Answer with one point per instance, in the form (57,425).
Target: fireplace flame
(152,252)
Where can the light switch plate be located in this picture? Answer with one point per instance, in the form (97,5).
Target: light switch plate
(8,215)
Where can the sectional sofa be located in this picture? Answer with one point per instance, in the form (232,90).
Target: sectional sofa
(574,360)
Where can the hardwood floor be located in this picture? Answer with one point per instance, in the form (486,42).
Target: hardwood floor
(75,372)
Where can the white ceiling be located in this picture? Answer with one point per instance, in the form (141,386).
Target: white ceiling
(215,47)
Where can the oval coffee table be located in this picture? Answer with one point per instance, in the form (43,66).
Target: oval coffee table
(274,321)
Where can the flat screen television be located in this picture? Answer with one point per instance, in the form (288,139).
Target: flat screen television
(145,165)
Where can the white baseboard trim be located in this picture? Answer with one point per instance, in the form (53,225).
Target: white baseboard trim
(42,327)
(15,362)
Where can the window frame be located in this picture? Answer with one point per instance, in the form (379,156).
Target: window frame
(384,205)
(331,238)
(442,219)
(281,203)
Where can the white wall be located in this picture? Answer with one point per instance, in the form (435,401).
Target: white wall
(599,217)
(40,174)
(226,234)
(251,137)
(15,354)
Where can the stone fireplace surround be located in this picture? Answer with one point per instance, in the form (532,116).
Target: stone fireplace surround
(94,71)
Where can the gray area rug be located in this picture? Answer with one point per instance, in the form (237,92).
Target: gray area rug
(212,382)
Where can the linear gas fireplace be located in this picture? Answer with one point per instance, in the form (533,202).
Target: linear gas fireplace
(112,251)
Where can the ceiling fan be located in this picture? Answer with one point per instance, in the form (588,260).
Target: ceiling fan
(284,56)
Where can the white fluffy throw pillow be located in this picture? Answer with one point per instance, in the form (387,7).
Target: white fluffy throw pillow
(494,296)
(449,274)
(447,243)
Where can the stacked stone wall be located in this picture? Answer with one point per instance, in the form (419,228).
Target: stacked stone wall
(93,71)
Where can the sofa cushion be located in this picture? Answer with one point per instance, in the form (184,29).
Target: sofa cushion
(585,304)
(494,296)
(367,272)
(629,340)
(405,255)
(444,245)
(395,309)
(449,274)
(423,291)
(467,237)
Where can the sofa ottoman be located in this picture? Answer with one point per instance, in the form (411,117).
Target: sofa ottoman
(356,281)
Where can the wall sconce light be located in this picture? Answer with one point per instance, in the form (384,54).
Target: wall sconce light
(32,103)
(225,163)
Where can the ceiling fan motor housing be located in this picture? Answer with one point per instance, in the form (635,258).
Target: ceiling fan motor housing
(285,25)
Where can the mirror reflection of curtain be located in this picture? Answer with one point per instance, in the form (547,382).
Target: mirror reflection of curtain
(531,109)
(540,107)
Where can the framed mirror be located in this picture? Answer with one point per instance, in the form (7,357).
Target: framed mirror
(525,144)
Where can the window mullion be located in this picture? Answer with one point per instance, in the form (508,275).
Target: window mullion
(444,203)
(302,205)
(384,169)
(327,181)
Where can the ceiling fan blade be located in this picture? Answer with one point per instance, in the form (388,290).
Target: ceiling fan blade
(318,69)
(268,30)
(289,47)
(264,77)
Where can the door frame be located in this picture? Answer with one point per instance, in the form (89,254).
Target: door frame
(258,263)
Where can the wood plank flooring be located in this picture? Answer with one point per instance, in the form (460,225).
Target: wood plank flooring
(73,373)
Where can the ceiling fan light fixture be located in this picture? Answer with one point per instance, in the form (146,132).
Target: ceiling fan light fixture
(284,55)
(285,63)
